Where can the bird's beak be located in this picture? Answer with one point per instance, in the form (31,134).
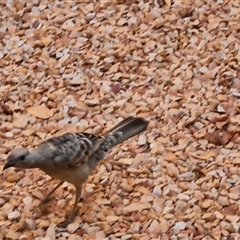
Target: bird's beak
(8,165)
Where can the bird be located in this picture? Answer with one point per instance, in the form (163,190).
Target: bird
(72,157)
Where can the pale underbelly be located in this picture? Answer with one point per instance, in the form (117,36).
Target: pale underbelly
(76,176)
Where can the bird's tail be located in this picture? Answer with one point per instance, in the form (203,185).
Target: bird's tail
(127,128)
(121,132)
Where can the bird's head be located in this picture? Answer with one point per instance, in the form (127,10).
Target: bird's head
(18,158)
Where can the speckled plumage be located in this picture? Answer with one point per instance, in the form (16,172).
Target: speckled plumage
(72,157)
(71,149)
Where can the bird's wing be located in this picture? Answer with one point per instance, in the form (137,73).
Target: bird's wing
(74,149)
(70,149)
(124,130)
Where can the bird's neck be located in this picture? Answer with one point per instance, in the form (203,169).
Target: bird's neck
(34,160)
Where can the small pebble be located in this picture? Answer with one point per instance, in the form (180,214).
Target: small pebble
(72,227)
(15,215)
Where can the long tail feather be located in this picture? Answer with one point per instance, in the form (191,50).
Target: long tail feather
(129,127)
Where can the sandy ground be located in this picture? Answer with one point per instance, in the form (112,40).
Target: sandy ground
(75,66)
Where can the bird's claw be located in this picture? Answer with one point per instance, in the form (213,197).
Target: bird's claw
(67,221)
(64,224)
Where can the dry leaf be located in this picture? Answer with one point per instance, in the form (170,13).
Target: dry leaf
(183,143)
(40,112)
(46,41)
(13,177)
(135,207)
(203,156)
(214,138)
(218,117)
(171,157)
(112,219)
(226,137)
(116,87)
(221,125)
(126,161)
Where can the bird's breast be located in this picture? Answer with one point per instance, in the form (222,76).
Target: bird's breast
(74,175)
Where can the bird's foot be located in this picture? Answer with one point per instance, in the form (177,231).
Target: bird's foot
(64,224)
(68,220)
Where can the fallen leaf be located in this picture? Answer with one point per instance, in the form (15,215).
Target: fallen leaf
(218,117)
(13,177)
(126,161)
(40,112)
(214,138)
(46,41)
(183,142)
(13,235)
(112,219)
(226,137)
(221,125)
(203,156)
(171,157)
(116,87)
(135,207)
(36,23)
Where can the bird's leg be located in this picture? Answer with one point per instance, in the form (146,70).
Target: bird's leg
(72,215)
(47,198)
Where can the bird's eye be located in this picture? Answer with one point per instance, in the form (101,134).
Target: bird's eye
(22,157)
